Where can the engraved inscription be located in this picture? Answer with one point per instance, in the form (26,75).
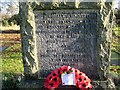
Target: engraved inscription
(67,37)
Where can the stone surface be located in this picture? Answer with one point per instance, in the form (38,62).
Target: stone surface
(67,37)
(38,85)
(103,36)
(27,30)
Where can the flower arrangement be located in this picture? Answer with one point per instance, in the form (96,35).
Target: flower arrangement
(53,80)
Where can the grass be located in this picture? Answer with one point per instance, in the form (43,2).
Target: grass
(12,60)
(115,75)
(12,66)
(115,56)
(117,30)
(116,40)
(115,69)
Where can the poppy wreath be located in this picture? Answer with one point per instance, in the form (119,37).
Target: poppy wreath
(53,80)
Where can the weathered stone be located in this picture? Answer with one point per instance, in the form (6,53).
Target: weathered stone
(67,37)
(27,29)
(103,35)
(65,5)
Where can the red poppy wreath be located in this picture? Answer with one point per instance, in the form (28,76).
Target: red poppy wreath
(57,77)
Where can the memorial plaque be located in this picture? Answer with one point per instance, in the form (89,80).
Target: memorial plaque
(67,37)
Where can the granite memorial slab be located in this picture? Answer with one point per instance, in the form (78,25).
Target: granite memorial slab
(67,37)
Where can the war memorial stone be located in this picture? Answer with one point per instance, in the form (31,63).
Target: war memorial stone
(67,37)
(57,34)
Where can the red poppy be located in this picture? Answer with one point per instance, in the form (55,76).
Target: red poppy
(49,77)
(53,80)
(57,80)
(77,71)
(56,72)
(82,85)
(82,81)
(63,69)
(89,86)
(53,83)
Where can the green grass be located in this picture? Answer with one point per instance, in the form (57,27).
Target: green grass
(12,65)
(115,69)
(116,40)
(116,28)
(115,56)
(12,59)
(117,31)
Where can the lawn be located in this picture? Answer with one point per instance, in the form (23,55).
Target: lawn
(115,56)
(117,31)
(12,66)
(116,40)
(12,56)
(12,59)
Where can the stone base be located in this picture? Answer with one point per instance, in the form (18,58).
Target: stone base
(39,85)
(103,85)
(31,84)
